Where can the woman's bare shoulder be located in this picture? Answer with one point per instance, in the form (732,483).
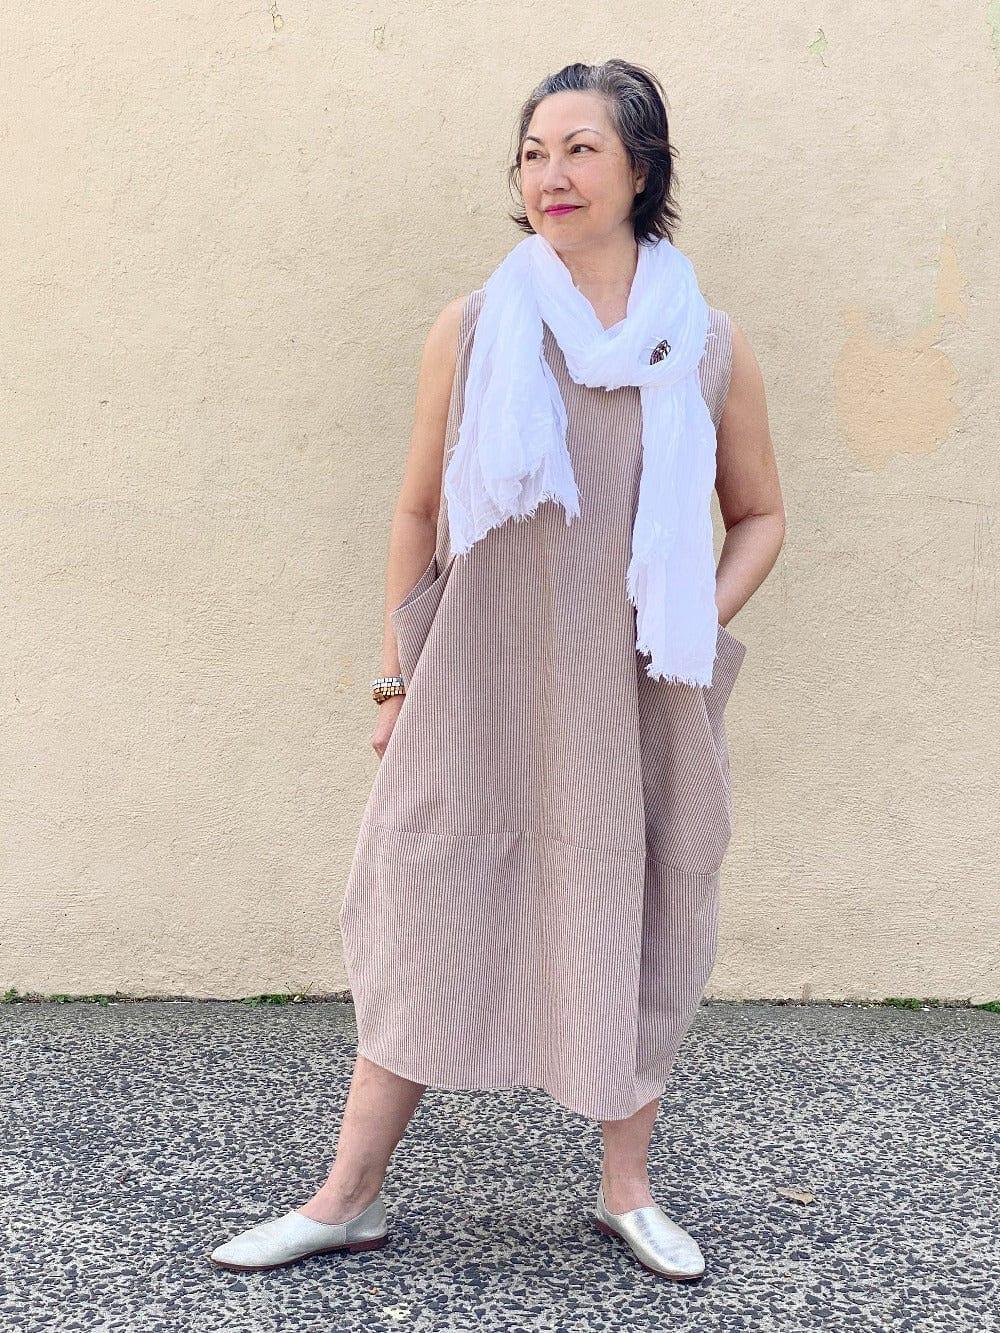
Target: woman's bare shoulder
(444,335)
(439,358)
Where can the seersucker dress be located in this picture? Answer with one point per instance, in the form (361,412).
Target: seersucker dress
(533,899)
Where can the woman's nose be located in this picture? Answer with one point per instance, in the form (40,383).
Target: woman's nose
(555,174)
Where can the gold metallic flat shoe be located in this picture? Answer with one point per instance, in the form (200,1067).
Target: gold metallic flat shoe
(284,1240)
(658,1243)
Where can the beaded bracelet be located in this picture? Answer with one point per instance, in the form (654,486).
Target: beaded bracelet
(385,687)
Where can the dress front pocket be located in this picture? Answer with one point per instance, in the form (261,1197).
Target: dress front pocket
(729,656)
(413,617)
(686,766)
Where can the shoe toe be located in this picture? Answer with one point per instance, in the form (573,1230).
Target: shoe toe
(277,1241)
(669,1248)
(231,1252)
(256,1245)
(675,1241)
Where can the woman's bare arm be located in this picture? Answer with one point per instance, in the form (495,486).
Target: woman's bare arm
(747,485)
(413,532)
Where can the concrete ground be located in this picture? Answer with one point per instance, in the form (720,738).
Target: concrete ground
(137,1136)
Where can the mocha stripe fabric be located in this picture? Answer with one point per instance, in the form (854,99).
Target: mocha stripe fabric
(533,899)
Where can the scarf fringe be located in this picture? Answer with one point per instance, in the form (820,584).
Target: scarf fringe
(655,674)
(672,678)
(518,516)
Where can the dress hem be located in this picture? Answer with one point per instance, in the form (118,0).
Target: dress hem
(497,1085)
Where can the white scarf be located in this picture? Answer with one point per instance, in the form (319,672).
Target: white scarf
(511,449)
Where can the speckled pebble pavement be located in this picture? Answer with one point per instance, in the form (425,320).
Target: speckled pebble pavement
(138,1136)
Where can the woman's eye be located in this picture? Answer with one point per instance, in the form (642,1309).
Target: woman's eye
(531,154)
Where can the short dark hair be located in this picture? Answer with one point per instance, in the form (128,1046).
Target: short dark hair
(637,106)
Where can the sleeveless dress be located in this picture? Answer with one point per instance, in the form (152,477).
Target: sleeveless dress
(533,899)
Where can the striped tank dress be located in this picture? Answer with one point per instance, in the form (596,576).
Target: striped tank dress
(533,900)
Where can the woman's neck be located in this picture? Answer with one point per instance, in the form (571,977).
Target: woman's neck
(604,274)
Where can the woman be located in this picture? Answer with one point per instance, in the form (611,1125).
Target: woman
(534,896)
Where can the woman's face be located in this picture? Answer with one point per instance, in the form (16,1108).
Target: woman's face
(572,155)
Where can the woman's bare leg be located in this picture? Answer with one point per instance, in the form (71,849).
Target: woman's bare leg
(624,1172)
(378,1109)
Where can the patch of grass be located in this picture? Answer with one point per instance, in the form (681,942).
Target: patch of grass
(891,1001)
(287,997)
(13,996)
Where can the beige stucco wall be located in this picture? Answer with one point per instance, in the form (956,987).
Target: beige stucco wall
(227,231)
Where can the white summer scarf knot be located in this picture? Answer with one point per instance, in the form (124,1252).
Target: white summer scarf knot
(511,453)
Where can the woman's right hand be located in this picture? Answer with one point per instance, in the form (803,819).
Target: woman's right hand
(388,711)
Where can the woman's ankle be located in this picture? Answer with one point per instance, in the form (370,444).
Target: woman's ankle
(339,1201)
(623,1192)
